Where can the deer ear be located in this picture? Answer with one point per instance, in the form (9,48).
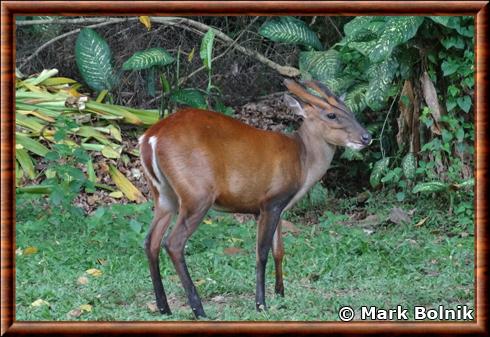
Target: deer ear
(294,105)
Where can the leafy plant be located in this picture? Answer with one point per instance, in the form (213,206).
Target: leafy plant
(52,116)
(150,60)
(287,29)
(94,60)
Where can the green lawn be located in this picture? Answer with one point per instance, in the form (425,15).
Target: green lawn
(328,264)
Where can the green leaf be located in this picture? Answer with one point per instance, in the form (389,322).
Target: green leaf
(380,81)
(379,169)
(94,60)
(25,162)
(398,30)
(432,186)
(351,154)
(287,29)
(363,28)
(322,65)
(31,145)
(206,51)
(409,165)
(356,97)
(449,67)
(47,30)
(148,58)
(464,103)
(400,196)
(190,97)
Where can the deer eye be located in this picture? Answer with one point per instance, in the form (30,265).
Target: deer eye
(331,115)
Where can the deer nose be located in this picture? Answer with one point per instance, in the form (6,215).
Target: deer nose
(366,138)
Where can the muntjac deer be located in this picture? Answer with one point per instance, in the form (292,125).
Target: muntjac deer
(195,160)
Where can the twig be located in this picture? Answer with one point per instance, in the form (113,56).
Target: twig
(384,124)
(335,26)
(60,21)
(59,37)
(283,70)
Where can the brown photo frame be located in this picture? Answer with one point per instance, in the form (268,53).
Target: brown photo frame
(11,327)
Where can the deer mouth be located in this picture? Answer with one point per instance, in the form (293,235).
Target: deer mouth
(355,145)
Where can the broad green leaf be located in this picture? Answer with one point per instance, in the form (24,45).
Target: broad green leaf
(379,169)
(47,30)
(409,163)
(322,65)
(35,189)
(94,60)
(31,123)
(30,144)
(364,47)
(287,29)
(380,80)
(363,28)
(190,97)
(464,103)
(25,162)
(206,51)
(449,67)
(351,154)
(339,85)
(148,58)
(356,97)
(432,186)
(398,30)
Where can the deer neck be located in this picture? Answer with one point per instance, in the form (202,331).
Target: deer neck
(316,157)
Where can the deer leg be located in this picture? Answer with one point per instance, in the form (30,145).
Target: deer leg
(153,241)
(267,226)
(278,253)
(186,224)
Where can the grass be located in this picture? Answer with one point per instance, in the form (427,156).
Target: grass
(328,264)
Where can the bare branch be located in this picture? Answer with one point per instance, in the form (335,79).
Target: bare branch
(59,37)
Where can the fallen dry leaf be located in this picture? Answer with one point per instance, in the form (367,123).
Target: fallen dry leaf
(94,272)
(208,222)
(430,97)
(421,222)
(218,299)
(232,250)
(399,216)
(30,250)
(75,313)
(82,280)
(288,227)
(39,302)
(116,194)
(152,307)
